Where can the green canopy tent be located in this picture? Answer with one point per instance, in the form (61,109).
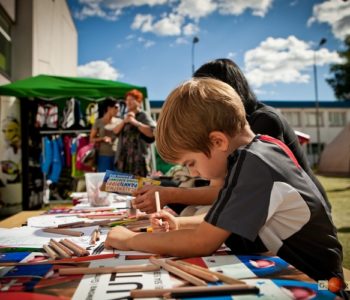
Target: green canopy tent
(58,89)
(53,87)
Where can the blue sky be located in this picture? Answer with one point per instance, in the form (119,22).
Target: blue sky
(149,42)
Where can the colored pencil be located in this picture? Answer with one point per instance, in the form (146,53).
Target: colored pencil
(74,245)
(195,291)
(108,270)
(70,224)
(196,272)
(224,278)
(50,252)
(158,208)
(93,237)
(188,277)
(59,249)
(76,250)
(63,231)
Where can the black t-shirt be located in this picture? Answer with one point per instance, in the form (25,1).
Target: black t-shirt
(268,202)
(267,120)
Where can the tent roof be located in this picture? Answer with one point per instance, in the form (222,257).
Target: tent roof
(58,86)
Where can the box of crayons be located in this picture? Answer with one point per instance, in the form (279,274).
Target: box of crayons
(123,183)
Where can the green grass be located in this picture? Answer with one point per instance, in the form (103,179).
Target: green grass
(338,191)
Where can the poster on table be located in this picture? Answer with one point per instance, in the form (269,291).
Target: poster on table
(10,156)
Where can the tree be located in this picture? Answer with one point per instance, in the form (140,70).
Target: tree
(340,82)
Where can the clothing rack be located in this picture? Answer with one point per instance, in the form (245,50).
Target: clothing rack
(64,131)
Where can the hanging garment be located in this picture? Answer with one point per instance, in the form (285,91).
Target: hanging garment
(72,115)
(46,156)
(91,113)
(56,169)
(67,141)
(86,158)
(47,115)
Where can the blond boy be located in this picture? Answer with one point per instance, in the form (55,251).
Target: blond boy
(268,203)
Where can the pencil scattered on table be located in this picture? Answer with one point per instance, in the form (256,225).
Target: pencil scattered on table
(78,251)
(99,248)
(93,237)
(63,231)
(184,275)
(56,246)
(193,271)
(71,224)
(224,278)
(50,252)
(108,270)
(195,291)
(158,206)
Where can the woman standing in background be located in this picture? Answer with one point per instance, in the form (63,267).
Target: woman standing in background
(134,133)
(104,138)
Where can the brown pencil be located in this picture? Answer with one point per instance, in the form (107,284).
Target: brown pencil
(98,234)
(83,250)
(194,290)
(108,270)
(76,250)
(224,278)
(50,252)
(196,272)
(71,224)
(188,277)
(63,231)
(93,237)
(58,249)
(63,247)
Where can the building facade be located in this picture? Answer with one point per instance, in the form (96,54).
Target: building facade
(36,37)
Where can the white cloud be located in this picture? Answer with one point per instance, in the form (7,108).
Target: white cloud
(142,22)
(99,69)
(110,9)
(190,29)
(284,60)
(336,13)
(169,25)
(195,9)
(231,55)
(237,7)
(146,43)
(181,40)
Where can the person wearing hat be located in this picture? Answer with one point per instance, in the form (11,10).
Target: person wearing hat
(135,132)
(103,136)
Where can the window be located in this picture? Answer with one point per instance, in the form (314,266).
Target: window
(5,43)
(311,119)
(337,118)
(293,117)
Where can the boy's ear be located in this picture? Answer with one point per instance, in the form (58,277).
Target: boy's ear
(219,140)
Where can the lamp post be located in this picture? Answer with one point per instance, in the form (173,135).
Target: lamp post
(194,41)
(317,103)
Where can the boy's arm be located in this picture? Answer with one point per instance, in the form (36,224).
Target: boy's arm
(202,241)
(145,199)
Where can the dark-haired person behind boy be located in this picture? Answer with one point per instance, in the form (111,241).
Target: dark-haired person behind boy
(268,202)
(262,119)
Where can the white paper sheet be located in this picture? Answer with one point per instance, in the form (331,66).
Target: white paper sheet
(31,237)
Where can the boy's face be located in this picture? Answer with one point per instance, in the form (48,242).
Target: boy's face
(198,164)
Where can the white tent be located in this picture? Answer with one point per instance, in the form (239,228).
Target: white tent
(335,158)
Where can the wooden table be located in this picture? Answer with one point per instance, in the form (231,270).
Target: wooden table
(20,218)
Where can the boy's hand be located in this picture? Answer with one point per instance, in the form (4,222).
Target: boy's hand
(145,198)
(118,238)
(163,221)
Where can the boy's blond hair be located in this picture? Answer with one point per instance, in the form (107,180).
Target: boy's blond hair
(192,111)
